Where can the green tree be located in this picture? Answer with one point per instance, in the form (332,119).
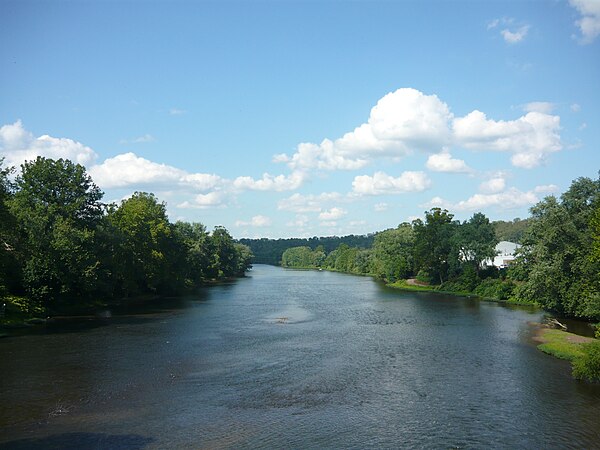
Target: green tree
(434,245)
(556,261)
(57,208)
(476,241)
(225,261)
(146,250)
(393,253)
(198,262)
(9,268)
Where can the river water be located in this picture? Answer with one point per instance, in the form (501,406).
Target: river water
(295,359)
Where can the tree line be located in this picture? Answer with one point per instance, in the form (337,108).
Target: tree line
(270,251)
(62,248)
(557,265)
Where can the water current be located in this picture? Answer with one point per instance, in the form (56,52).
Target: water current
(295,359)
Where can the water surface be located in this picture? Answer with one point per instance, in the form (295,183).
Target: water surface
(296,359)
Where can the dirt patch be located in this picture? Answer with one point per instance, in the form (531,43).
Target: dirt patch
(415,282)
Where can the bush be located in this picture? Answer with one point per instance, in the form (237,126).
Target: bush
(587,366)
(423,277)
(495,288)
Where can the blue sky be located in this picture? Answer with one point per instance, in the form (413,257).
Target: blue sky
(279,119)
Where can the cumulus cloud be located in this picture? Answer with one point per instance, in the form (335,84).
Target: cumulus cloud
(203,201)
(382,183)
(400,122)
(512,37)
(270,182)
(541,107)
(256,221)
(589,22)
(493,185)
(547,188)
(506,200)
(301,221)
(407,120)
(443,162)
(18,145)
(530,138)
(379,207)
(128,169)
(307,203)
(575,107)
(333,214)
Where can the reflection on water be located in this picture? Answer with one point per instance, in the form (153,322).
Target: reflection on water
(289,358)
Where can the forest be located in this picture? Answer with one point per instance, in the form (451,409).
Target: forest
(63,250)
(557,266)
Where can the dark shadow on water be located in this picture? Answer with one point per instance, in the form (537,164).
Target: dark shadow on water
(77,441)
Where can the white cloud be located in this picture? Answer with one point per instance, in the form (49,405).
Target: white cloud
(582,127)
(575,107)
(18,145)
(381,183)
(589,23)
(128,169)
(493,24)
(177,111)
(493,185)
(203,201)
(301,221)
(400,122)
(270,182)
(256,221)
(548,188)
(531,137)
(541,107)
(332,214)
(512,37)
(379,207)
(509,199)
(443,162)
(307,203)
(138,140)
(407,120)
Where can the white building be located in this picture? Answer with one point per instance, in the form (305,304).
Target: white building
(505,254)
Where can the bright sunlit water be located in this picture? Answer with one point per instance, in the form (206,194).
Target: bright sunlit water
(295,359)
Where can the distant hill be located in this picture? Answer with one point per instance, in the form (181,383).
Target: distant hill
(269,251)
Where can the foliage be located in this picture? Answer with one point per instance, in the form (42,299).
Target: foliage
(476,241)
(587,366)
(511,231)
(57,207)
(495,288)
(393,252)
(270,251)
(556,265)
(434,249)
(66,250)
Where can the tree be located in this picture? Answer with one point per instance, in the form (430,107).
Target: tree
(9,268)
(198,262)
(57,208)
(393,253)
(225,261)
(146,248)
(557,260)
(477,241)
(434,242)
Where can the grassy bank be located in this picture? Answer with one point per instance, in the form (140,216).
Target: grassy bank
(561,344)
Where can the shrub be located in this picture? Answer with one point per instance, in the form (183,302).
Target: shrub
(587,366)
(495,288)
(423,277)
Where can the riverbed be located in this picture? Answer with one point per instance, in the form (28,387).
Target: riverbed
(295,359)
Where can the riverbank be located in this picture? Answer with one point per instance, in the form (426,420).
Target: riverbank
(560,344)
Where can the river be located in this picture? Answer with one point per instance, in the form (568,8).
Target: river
(295,359)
